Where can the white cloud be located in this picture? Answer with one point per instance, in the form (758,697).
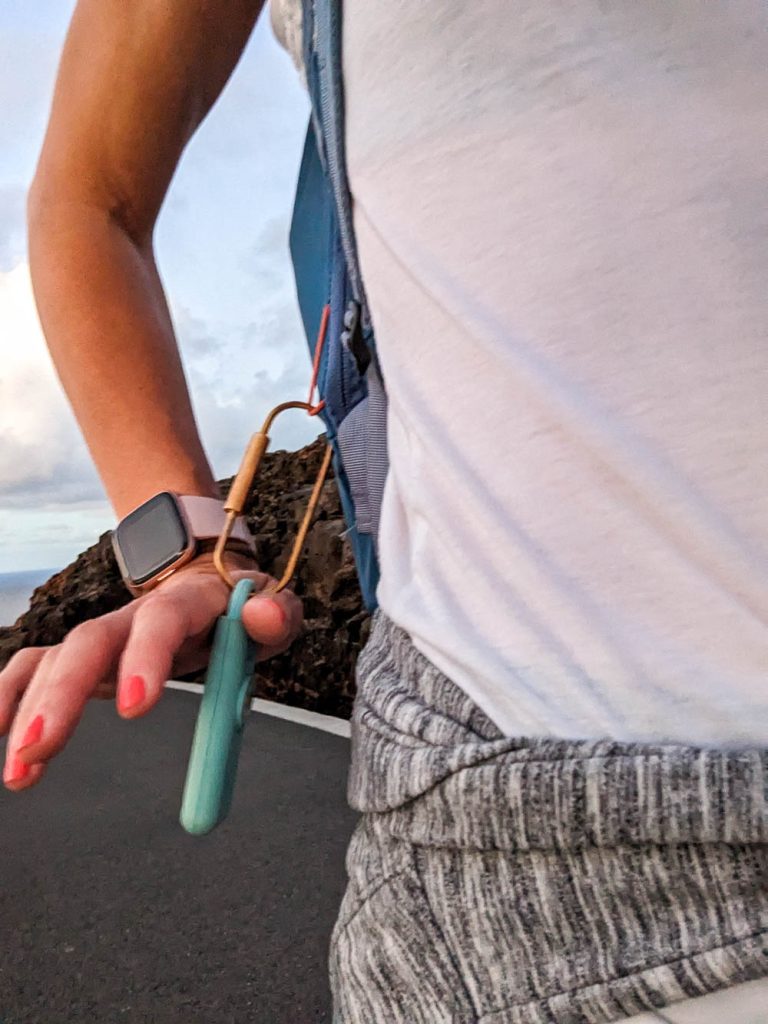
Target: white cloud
(52,504)
(49,538)
(236,376)
(234,381)
(42,455)
(12,231)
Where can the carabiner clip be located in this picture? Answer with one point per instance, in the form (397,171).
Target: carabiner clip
(241,485)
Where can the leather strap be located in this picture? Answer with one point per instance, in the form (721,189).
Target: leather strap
(238,547)
(206,518)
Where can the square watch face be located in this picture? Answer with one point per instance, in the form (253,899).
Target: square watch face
(151,537)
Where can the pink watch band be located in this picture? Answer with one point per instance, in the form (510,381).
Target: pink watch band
(206,518)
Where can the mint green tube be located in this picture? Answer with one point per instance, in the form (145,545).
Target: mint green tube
(218,734)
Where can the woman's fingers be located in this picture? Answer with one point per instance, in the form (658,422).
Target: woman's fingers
(54,699)
(160,626)
(24,776)
(173,635)
(14,680)
(43,691)
(273,621)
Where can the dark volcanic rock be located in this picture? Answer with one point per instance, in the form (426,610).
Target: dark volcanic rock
(318,671)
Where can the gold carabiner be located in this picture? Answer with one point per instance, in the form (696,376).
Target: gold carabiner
(241,485)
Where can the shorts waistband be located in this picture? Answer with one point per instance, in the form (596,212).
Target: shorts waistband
(422,748)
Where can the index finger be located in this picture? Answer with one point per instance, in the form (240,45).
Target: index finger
(14,679)
(61,686)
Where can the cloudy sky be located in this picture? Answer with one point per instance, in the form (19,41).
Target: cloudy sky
(222,249)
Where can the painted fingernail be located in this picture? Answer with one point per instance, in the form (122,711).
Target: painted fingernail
(281,613)
(132,692)
(276,610)
(15,770)
(33,734)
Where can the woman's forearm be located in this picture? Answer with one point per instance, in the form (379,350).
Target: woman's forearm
(135,80)
(110,336)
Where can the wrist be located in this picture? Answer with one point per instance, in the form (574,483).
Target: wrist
(236,557)
(169,531)
(202,563)
(232,547)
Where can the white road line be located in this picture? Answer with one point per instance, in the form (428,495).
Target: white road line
(337,726)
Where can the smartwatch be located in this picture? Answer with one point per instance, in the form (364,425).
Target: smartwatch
(166,532)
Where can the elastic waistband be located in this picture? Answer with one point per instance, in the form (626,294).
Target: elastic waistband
(438,772)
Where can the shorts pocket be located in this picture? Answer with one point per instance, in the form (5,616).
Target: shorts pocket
(389,963)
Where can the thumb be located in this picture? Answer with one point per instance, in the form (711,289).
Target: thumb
(273,620)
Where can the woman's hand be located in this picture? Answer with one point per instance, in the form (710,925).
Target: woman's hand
(129,653)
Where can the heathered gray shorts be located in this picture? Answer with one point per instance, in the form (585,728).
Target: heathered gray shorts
(497,880)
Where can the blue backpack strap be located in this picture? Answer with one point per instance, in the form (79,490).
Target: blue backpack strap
(327,270)
(323,36)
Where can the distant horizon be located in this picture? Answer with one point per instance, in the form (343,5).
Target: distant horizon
(28,572)
(16,588)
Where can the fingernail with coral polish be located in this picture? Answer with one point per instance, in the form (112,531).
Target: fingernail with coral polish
(132,692)
(15,770)
(277,610)
(34,732)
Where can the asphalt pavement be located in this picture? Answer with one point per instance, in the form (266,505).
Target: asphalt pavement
(111,914)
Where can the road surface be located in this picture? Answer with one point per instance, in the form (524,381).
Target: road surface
(111,914)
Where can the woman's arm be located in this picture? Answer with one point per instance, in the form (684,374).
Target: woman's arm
(135,81)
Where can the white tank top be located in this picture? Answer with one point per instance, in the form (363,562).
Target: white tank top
(562,218)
